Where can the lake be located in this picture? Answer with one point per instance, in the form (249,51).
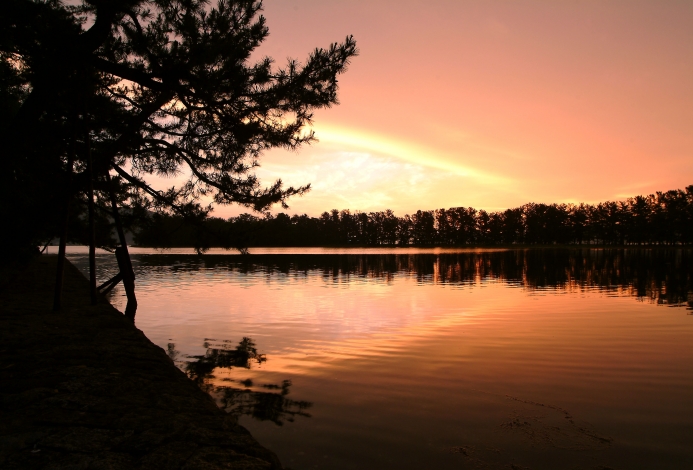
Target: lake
(434,359)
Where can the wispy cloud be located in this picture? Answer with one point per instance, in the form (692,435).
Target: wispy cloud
(406,151)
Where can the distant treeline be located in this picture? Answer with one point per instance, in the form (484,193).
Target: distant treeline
(663,218)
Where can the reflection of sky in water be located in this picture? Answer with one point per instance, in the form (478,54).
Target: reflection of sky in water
(416,368)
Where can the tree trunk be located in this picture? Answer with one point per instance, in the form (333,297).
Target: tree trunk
(123,258)
(92,235)
(58,291)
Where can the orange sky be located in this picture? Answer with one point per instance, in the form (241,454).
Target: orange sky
(491,104)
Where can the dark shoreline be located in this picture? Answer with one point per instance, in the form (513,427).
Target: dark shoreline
(404,248)
(84,388)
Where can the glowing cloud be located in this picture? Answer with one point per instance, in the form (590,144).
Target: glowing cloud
(410,152)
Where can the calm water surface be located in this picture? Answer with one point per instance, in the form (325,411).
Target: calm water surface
(436,359)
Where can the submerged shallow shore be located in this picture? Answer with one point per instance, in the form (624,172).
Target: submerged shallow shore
(84,388)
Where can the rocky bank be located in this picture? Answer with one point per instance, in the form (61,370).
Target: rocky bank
(83,388)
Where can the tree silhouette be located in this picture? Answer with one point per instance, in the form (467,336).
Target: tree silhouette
(107,93)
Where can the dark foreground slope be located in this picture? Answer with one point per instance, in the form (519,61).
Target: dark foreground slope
(84,389)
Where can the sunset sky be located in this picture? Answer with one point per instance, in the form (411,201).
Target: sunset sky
(491,104)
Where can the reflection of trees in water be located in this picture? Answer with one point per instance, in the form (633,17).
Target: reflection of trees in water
(222,355)
(262,405)
(662,275)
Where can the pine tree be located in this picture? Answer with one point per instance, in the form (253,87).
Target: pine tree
(107,93)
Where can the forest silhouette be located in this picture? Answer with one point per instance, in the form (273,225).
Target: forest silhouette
(662,218)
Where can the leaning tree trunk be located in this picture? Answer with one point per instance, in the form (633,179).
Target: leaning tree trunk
(123,257)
